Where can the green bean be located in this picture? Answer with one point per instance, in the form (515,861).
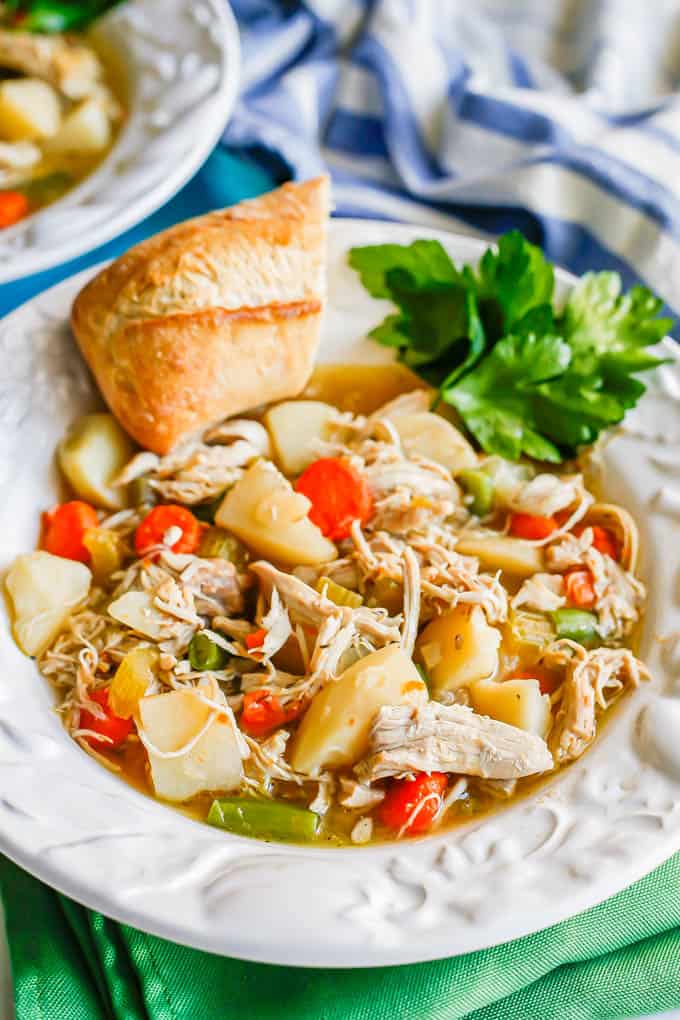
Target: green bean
(576,625)
(264,819)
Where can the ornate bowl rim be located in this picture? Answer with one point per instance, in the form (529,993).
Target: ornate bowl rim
(598,826)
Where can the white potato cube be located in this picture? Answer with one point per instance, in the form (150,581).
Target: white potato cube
(296,427)
(335,729)
(265,512)
(171,722)
(87,129)
(517,702)
(513,555)
(29,110)
(44,590)
(93,451)
(429,435)
(136,610)
(459,647)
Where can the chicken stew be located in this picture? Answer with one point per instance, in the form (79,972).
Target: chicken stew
(332,622)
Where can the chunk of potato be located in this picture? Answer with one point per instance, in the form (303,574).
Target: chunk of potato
(459,647)
(517,702)
(136,610)
(429,435)
(29,110)
(295,426)
(170,722)
(93,451)
(335,730)
(513,555)
(87,129)
(264,511)
(44,590)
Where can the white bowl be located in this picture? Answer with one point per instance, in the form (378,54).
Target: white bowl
(180,62)
(597,827)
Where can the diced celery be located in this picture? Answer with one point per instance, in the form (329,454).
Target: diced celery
(387,594)
(217,543)
(135,673)
(264,819)
(141,492)
(338,594)
(529,632)
(479,486)
(103,546)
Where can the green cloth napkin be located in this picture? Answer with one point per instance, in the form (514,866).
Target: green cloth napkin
(620,959)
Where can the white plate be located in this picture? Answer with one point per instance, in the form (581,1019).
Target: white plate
(599,826)
(181,65)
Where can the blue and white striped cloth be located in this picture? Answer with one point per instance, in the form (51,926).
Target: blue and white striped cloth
(555,116)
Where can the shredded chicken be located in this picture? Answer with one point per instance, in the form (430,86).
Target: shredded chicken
(73,69)
(593,680)
(362,830)
(411,601)
(546,494)
(446,577)
(359,796)
(216,585)
(449,738)
(619,595)
(199,470)
(313,607)
(542,592)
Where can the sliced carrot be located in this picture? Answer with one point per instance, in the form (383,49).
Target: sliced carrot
(111,726)
(603,540)
(14,206)
(151,532)
(255,639)
(339,495)
(578,584)
(548,679)
(418,799)
(531,526)
(65,526)
(262,713)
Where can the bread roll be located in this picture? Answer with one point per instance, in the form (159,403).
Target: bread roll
(211,317)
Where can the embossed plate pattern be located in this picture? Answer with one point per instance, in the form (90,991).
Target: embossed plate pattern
(596,828)
(180,61)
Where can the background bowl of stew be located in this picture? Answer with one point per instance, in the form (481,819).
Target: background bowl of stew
(599,825)
(174,67)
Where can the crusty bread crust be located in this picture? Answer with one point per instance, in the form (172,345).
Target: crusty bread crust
(211,317)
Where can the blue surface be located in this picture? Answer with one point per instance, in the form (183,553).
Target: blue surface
(223,179)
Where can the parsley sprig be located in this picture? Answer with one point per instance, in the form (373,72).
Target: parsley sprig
(524,377)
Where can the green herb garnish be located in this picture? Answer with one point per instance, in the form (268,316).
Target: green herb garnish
(525,378)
